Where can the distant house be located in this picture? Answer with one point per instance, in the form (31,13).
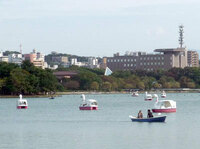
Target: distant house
(64,74)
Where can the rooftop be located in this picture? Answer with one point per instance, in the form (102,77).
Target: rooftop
(170,50)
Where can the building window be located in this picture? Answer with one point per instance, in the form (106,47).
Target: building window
(140,58)
(131,60)
(155,58)
(151,58)
(111,60)
(140,63)
(147,63)
(158,58)
(125,60)
(114,60)
(151,63)
(121,60)
(118,60)
(147,58)
(162,63)
(135,60)
(131,65)
(108,60)
(144,58)
(127,65)
(124,65)
(155,63)
(162,58)
(158,63)
(144,63)
(128,60)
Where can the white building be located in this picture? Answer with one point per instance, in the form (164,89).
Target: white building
(3,58)
(15,58)
(93,62)
(74,62)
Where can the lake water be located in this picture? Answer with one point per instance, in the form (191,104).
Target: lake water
(59,124)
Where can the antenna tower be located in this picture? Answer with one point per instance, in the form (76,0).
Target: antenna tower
(181,31)
(20,47)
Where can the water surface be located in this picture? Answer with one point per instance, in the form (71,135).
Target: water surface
(58,123)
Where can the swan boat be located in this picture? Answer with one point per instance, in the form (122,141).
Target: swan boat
(22,103)
(164,106)
(163,94)
(89,104)
(148,97)
(135,94)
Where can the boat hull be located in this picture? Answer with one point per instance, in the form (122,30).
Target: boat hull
(22,107)
(88,108)
(164,110)
(154,119)
(148,99)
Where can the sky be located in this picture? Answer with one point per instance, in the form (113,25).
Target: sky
(97,27)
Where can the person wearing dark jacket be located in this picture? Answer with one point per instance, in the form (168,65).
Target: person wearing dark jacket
(149,115)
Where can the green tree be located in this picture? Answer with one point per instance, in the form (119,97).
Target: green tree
(47,81)
(94,85)
(141,85)
(106,86)
(19,79)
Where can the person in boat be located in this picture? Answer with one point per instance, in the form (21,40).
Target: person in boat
(140,115)
(149,114)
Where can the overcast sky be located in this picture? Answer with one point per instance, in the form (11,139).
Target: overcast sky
(97,27)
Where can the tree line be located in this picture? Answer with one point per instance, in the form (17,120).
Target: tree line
(94,79)
(28,79)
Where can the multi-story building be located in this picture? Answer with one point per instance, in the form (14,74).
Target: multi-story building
(36,58)
(75,62)
(3,58)
(93,62)
(60,59)
(103,64)
(15,58)
(193,59)
(165,59)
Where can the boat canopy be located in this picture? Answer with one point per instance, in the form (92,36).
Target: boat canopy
(163,104)
(92,102)
(22,102)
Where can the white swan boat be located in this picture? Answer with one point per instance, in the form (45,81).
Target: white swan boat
(163,94)
(164,106)
(148,97)
(135,94)
(22,103)
(89,104)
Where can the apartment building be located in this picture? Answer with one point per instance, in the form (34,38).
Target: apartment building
(193,59)
(36,58)
(161,59)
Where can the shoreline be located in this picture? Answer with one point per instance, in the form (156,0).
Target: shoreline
(96,92)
